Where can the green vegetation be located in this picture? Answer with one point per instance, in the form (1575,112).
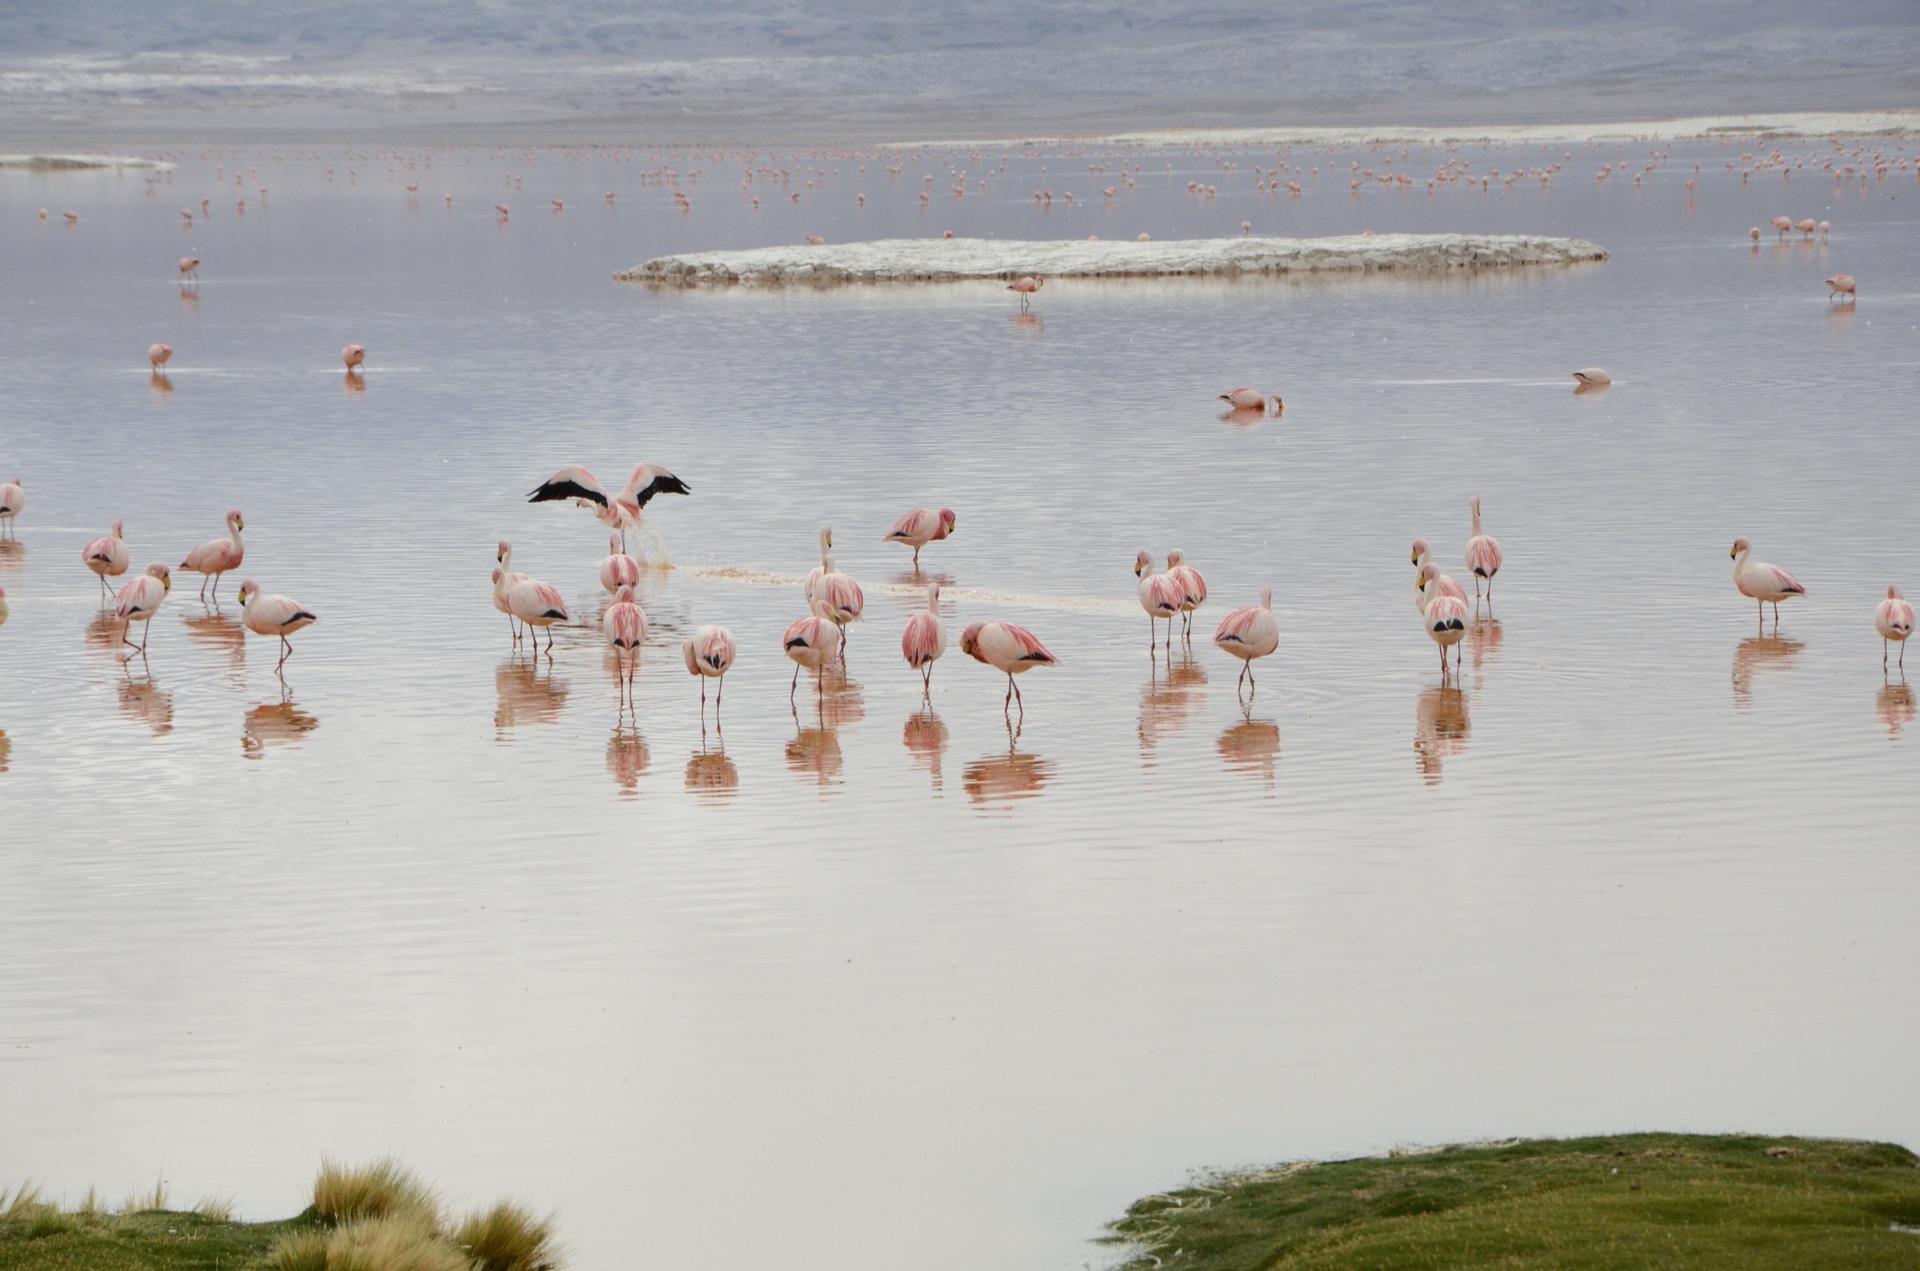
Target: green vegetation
(1699,1202)
(380,1217)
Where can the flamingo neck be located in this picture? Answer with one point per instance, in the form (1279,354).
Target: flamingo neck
(1476,518)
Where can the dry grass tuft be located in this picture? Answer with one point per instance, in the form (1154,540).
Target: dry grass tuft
(509,1237)
(217,1208)
(383,1189)
(400,1243)
(301,1251)
(24,1200)
(152,1202)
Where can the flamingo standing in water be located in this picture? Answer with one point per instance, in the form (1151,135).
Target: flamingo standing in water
(1445,618)
(353,356)
(537,604)
(1894,621)
(138,601)
(1249,632)
(839,600)
(618,569)
(1767,584)
(1193,589)
(709,652)
(625,626)
(1422,557)
(189,266)
(925,639)
(1007,648)
(503,580)
(216,556)
(1841,285)
(1483,554)
(813,643)
(620,511)
(1026,285)
(1160,596)
(273,616)
(1784,224)
(1592,377)
(13,500)
(1431,585)
(919,527)
(106,556)
(158,355)
(1251,399)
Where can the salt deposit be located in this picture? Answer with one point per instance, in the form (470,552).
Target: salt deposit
(954,259)
(74,162)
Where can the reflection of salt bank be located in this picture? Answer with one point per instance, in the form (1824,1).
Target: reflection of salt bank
(75,162)
(954,259)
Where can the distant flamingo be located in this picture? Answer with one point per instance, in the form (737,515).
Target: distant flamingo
(190,266)
(1026,285)
(1767,584)
(1840,285)
(1251,399)
(1754,233)
(838,599)
(919,527)
(1160,596)
(620,511)
(814,240)
(353,355)
(925,639)
(537,604)
(1894,621)
(1193,588)
(1445,618)
(159,355)
(813,644)
(1784,224)
(13,500)
(216,556)
(138,601)
(500,209)
(106,556)
(1483,554)
(1805,226)
(1008,648)
(1592,377)
(709,653)
(1434,585)
(1249,632)
(625,626)
(273,616)
(618,569)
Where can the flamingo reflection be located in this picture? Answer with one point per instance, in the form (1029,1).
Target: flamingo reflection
(13,554)
(1244,416)
(1252,747)
(1756,656)
(159,384)
(269,724)
(999,780)
(1483,646)
(145,702)
(627,758)
(925,737)
(220,633)
(1440,728)
(6,750)
(1893,703)
(526,696)
(814,751)
(354,385)
(1169,703)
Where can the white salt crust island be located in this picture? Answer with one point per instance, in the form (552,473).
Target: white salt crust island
(956,259)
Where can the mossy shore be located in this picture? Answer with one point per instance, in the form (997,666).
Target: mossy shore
(1699,1202)
(156,1240)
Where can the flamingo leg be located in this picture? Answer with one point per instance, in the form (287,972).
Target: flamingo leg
(795,686)
(718,691)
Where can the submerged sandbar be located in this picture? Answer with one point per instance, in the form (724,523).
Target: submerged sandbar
(958,259)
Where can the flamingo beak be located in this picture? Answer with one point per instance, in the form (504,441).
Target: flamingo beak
(1733,553)
(1414,559)
(1136,569)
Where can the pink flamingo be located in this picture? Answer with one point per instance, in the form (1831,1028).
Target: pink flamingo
(925,639)
(158,355)
(814,240)
(1422,556)
(1026,285)
(919,527)
(1446,622)
(1784,224)
(618,569)
(1251,399)
(503,580)
(1008,648)
(189,266)
(813,643)
(1160,596)
(106,556)
(709,652)
(1805,225)
(13,500)
(1754,233)
(353,356)
(138,601)
(273,616)
(1431,584)
(1841,285)
(625,626)
(1483,554)
(1767,584)
(216,556)
(619,511)
(1249,632)
(1894,621)
(1193,589)
(537,604)
(1592,377)
(839,600)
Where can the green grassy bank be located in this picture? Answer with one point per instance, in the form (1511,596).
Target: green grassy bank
(1698,1202)
(379,1217)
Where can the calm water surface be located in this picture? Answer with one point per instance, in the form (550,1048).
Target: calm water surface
(882,982)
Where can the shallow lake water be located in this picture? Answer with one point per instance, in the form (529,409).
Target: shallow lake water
(878,981)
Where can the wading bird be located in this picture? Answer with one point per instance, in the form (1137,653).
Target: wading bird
(925,639)
(216,556)
(709,652)
(1160,596)
(503,580)
(619,511)
(1248,633)
(353,356)
(1894,621)
(189,266)
(618,569)
(273,616)
(919,527)
(106,556)
(1251,399)
(1483,554)
(537,604)
(1193,589)
(1430,585)
(1766,584)
(158,355)
(1007,648)
(1841,285)
(13,500)
(1445,618)
(625,626)
(138,601)
(1026,285)
(1592,377)
(813,643)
